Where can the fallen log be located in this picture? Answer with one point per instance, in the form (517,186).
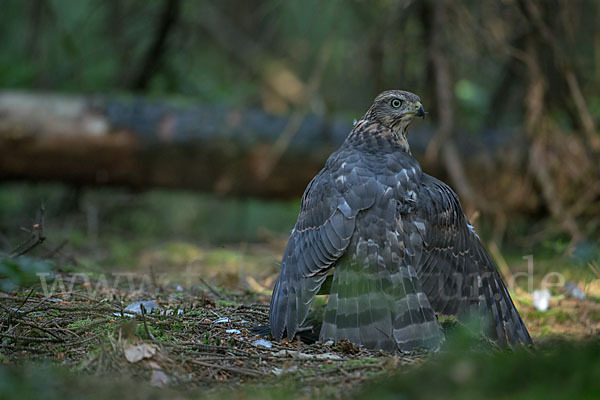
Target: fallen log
(141,143)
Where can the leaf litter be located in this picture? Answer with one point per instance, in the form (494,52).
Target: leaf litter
(182,339)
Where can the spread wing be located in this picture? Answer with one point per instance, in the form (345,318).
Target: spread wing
(321,235)
(457,274)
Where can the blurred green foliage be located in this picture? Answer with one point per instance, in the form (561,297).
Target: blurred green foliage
(84,215)
(565,371)
(327,57)
(227,51)
(108,228)
(21,271)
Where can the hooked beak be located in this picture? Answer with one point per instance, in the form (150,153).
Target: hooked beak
(420,111)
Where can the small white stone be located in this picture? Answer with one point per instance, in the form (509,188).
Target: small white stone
(262,343)
(136,307)
(541,299)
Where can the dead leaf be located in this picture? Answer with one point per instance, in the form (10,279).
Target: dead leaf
(138,352)
(159,378)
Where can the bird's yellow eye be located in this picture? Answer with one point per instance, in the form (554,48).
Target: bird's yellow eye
(396,103)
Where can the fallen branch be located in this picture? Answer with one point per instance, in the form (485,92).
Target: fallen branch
(30,338)
(237,370)
(37,236)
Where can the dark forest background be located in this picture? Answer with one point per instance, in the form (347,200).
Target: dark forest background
(161,135)
(521,78)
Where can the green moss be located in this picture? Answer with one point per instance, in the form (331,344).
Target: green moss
(556,314)
(80,324)
(227,303)
(546,331)
(360,362)
(96,325)
(327,366)
(158,333)
(177,327)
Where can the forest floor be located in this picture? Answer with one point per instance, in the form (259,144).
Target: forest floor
(67,333)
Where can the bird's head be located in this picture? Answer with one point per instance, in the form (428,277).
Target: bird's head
(395,109)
